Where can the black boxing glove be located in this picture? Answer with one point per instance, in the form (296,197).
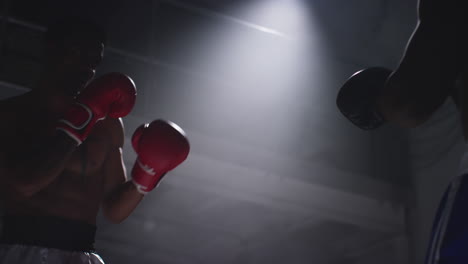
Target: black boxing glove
(357,98)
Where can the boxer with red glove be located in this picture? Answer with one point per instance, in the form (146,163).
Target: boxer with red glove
(61,157)
(161,146)
(112,95)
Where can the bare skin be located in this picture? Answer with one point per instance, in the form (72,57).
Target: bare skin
(43,171)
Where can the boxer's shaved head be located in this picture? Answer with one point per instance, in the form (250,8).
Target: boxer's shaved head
(72,28)
(74,49)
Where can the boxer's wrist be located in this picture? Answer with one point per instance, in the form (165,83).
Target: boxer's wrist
(144,177)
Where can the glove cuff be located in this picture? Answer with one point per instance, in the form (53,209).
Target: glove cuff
(144,177)
(77,122)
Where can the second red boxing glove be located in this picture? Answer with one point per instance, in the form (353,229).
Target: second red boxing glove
(161,146)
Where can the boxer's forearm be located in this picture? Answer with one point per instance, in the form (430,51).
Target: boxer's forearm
(35,170)
(121,202)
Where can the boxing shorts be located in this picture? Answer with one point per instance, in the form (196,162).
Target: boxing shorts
(47,239)
(449,235)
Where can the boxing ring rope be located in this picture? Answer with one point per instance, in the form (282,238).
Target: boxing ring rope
(122,53)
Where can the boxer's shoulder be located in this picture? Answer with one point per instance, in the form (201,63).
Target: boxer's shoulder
(115,125)
(112,129)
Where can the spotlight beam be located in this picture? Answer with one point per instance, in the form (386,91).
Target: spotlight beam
(211,13)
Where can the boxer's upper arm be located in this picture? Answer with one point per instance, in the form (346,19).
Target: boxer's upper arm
(114,168)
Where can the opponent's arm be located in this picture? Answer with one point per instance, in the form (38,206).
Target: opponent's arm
(426,74)
(418,86)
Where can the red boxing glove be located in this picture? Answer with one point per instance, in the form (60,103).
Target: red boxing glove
(161,146)
(112,95)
